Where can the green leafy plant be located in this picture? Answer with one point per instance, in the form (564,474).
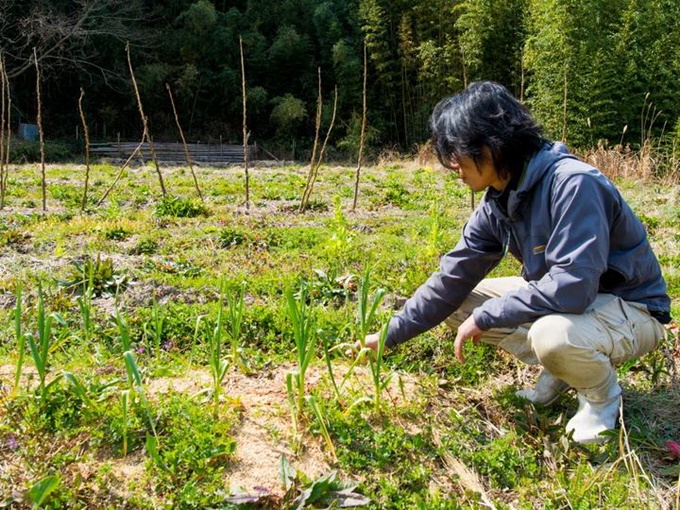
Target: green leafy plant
(20,340)
(98,275)
(235,310)
(367,309)
(326,491)
(342,241)
(125,406)
(136,385)
(145,246)
(328,288)
(179,207)
(41,490)
(39,344)
(154,329)
(218,365)
(121,323)
(194,452)
(303,322)
(321,419)
(85,306)
(117,234)
(228,238)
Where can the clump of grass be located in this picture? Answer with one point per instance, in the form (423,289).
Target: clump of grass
(228,238)
(98,276)
(179,207)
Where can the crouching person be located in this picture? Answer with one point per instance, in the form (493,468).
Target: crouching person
(591,294)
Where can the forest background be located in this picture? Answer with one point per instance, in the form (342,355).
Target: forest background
(592,71)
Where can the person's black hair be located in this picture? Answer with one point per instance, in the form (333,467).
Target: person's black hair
(485,114)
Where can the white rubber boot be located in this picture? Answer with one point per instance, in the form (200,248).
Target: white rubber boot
(598,411)
(548,388)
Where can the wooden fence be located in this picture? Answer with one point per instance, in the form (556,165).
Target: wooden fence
(174,152)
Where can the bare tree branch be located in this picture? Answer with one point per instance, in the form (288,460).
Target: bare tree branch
(65,38)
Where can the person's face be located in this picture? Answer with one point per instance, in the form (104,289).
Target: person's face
(478,176)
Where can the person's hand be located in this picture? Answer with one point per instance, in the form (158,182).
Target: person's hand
(371,341)
(466,330)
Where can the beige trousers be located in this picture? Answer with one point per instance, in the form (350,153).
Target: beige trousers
(580,349)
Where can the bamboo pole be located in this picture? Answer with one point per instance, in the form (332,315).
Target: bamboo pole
(5,164)
(184,143)
(314,171)
(86,134)
(312,162)
(362,135)
(145,121)
(40,133)
(245,125)
(2,131)
(120,172)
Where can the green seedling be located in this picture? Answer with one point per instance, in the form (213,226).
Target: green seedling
(303,321)
(20,339)
(318,412)
(125,405)
(218,366)
(380,382)
(85,304)
(327,349)
(367,307)
(135,382)
(326,491)
(235,309)
(78,389)
(40,346)
(152,450)
(366,316)
(195,338)
(85,308)
(40,491)
(154,329)
(123,329)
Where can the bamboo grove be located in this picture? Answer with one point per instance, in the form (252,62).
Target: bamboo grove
(591,70)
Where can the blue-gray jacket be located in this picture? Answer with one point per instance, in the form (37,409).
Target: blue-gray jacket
(575,237)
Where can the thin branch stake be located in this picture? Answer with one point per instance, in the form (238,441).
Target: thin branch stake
(184,143)
(245,126)
(362,135)
(87,148)
(4,174)
(145,121)
(2,132)
(312,162)
(40,132)
(137,150)
(314,170)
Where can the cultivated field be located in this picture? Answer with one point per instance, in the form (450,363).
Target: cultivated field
(168,352)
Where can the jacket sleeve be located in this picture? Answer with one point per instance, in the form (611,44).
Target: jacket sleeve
(582,208)
(477,252)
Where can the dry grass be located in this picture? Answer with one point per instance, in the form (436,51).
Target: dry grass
(620,162)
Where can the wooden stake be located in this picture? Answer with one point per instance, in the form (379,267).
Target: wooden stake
(2,132)
(145,137)
(245,126)
(145,121)
(314,170)
(362,135)
(4,164)
(40,132)
(86,134)
(184,143)
(312,162)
